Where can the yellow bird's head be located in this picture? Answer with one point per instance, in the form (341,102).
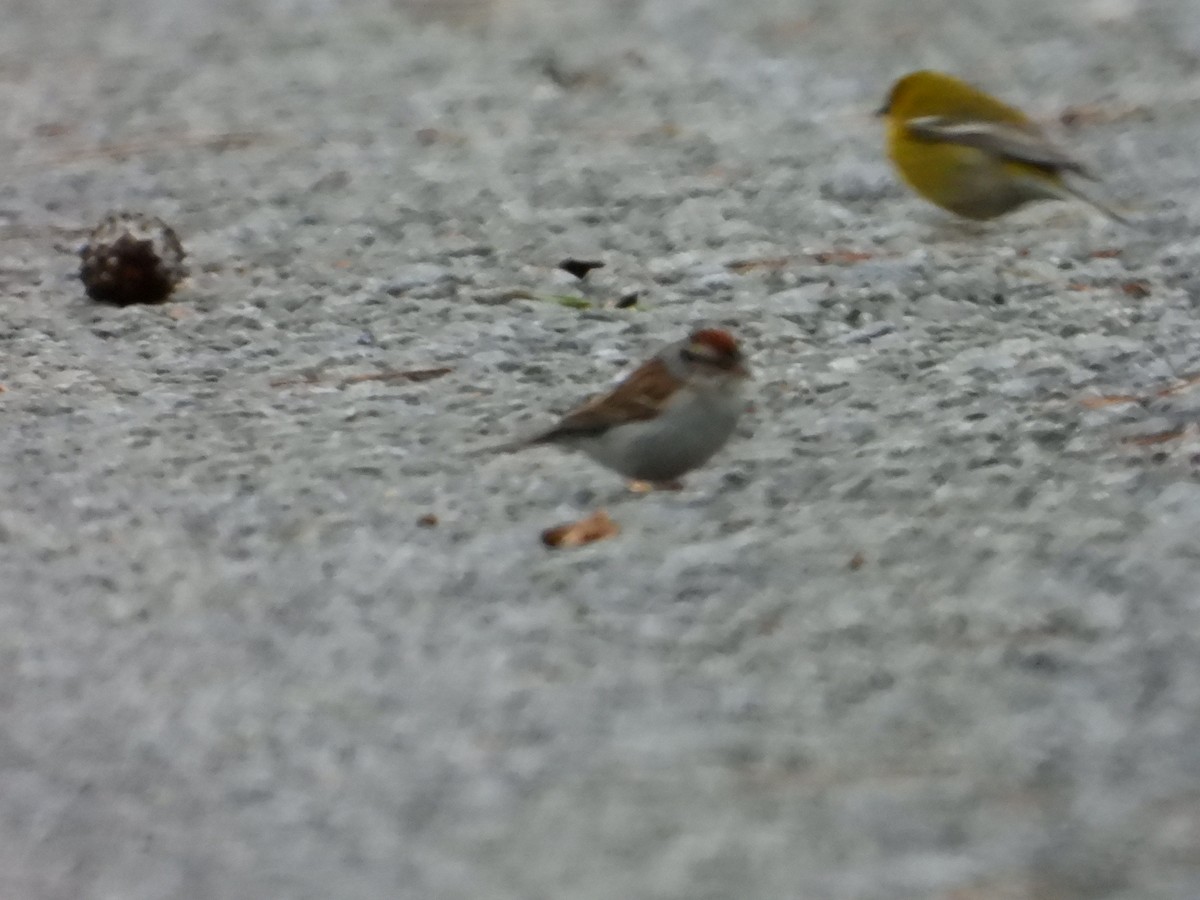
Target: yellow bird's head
(929,93)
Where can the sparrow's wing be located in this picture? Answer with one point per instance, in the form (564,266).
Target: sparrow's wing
(641,396)
(1019,143)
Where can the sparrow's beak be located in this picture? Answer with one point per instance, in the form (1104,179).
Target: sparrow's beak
(883,110)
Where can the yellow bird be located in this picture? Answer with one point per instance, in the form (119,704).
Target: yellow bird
(971,154)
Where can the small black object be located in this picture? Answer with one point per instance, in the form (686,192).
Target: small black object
(580,267)
(627,300)
(132,258)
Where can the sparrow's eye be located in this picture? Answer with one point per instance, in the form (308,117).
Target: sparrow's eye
(706,356)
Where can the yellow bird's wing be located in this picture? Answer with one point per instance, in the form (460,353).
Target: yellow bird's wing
(1017,142)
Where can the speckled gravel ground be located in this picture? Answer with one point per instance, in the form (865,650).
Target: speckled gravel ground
(927,629)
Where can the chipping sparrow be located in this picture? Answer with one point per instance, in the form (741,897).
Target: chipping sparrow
(669,416)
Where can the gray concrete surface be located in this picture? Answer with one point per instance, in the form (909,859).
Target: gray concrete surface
(928,629)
